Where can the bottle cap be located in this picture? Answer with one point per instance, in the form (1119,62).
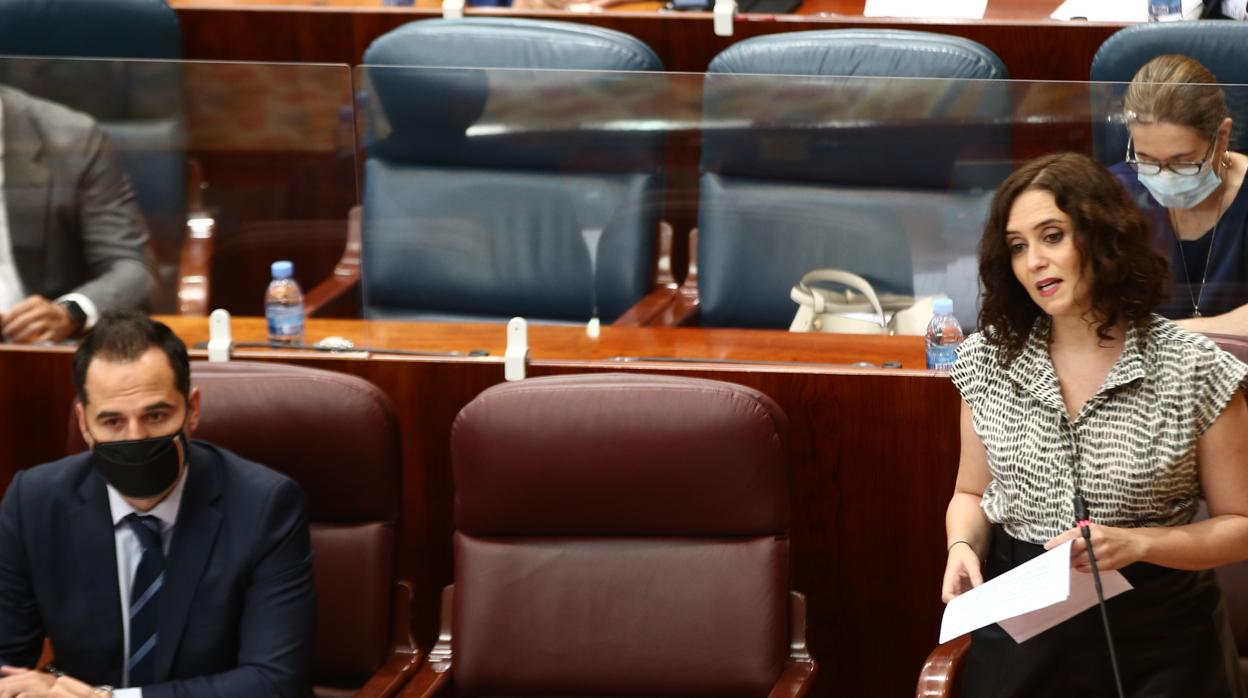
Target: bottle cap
(283,269)
(940,306)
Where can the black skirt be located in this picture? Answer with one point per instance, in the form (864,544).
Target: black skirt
(1171,635)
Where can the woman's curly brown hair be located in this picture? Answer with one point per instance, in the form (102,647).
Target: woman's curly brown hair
(1128,277)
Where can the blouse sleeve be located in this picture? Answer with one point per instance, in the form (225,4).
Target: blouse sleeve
(968,371)
(1219,377)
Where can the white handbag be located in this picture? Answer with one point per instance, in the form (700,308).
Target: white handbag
(857,309)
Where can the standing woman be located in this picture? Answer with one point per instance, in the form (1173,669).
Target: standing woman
(1074,386)
(1181,173)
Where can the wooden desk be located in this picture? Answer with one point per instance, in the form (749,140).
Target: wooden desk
(615,345)
(873,452)
(1032,46)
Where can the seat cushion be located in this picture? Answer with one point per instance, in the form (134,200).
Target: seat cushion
(757,238)
(471,242)
(623,616)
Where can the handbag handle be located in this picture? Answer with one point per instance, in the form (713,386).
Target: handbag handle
(803,293)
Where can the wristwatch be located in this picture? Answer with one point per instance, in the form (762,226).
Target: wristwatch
(101,690)
(77,315)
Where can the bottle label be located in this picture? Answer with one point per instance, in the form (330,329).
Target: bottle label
(285,320)
(1164,10)
(941,357)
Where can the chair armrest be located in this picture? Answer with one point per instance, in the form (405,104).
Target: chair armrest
(195,186)
(346,274)
(662,293)
(942,672)
(800,669)
(392,676)
(795,681)
(195,265)
(195,260)
(651,306)
(682,310)
(434,676)
(428,682)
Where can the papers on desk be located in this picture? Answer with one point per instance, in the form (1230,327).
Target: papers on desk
(946,9)
(1030,598)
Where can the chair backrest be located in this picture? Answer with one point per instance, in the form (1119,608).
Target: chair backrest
(139,105)
(1236,345)
(1218,45)
(1233,578)
(475,208)
(849,174)
(337,436)
(620,535)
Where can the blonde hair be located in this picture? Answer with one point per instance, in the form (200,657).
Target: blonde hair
(1176,90)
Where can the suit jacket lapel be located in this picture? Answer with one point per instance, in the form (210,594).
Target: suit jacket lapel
(91,524)
(27,190)
(199,519)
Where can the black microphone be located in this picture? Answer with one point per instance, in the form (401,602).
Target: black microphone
(1085,526)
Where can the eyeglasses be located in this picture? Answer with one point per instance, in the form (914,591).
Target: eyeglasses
(1148,167)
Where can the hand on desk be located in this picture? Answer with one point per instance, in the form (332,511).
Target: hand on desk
(24,682)
(27,683)
(68,687)
(36,319)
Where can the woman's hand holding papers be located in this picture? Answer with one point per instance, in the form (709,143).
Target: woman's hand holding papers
(962,571)
(1115,548)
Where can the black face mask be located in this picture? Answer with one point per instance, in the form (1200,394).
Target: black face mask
(143,467)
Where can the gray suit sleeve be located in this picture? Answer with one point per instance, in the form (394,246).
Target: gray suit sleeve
(114,236)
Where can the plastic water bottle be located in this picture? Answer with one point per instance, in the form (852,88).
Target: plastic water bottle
(283,305)
(1165,10)
(944,334)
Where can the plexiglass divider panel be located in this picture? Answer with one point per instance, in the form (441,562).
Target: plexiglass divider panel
(232,165)
(563,196)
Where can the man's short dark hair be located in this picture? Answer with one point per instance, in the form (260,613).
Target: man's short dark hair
(125,335)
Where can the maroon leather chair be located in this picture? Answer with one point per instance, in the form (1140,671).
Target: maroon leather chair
(620,535)
(337,436)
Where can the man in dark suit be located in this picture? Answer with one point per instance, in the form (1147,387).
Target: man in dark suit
(72,239)
(151,561)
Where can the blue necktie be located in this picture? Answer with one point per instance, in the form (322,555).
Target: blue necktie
(145,598)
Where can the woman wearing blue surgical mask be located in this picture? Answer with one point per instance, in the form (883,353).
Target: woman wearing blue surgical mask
(1189,184)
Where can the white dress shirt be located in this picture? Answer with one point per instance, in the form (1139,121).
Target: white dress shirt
(11,291)
(129,552)
(10,284)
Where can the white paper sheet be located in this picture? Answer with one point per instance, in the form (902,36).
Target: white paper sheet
(1030,598)
(945,9)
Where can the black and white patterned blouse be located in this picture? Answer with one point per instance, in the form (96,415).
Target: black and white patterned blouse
(1134,441)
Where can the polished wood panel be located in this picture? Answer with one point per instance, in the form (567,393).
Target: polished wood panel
(1032,46)
(873,451)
